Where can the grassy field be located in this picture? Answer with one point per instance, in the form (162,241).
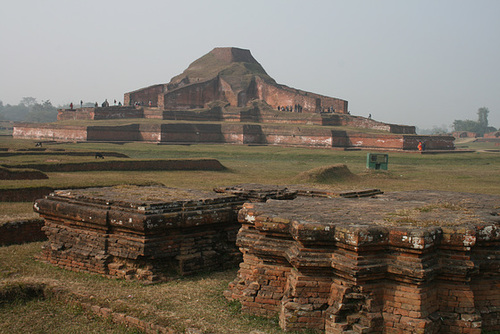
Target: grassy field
(466,172)
(197,302)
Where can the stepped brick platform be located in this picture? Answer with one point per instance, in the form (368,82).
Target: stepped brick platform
(146,233)
(407,262)
(254,192)
(226,96)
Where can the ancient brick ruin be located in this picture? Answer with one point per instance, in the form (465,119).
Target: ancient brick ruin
(409,262)
(226,96)
(146,233)
(234,76)
(100,113)
(262,134)
(338,262)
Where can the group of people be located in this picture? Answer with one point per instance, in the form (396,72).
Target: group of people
(106,103)
(329,110)
(96,105)
(296,108)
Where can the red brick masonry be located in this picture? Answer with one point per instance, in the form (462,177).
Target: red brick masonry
(410,262)
(145,233)
(235,133)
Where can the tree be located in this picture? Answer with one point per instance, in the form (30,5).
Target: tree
(28,101)
(482,117)
(480,127)
(44,112)
(15,113)
(2,117)
(465,125)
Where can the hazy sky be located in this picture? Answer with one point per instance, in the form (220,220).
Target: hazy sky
(416,62)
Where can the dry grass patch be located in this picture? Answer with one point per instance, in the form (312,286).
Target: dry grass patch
(193,302)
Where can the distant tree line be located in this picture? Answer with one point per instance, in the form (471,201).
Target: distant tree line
(435,130)
(29,110)
(480,126)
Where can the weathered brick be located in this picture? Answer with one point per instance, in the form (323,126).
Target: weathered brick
(428,273)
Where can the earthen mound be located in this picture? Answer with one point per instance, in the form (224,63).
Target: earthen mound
(21,174)
(326,174)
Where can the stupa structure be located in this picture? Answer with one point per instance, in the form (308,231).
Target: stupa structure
(226,96)
(231,75)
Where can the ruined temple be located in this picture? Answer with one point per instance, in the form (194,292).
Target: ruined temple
(226,96)
(231,75)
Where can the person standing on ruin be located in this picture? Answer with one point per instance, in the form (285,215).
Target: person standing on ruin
(71,106)
(419,146)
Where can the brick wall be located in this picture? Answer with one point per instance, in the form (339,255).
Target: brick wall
(18,232)
(71,114)
(113,112)
(143,96)
(237,133)
(431,142)
(116,112)
(196,95)
(50,132)
(280,95)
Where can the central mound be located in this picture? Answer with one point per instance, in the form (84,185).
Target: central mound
(235,66)
(235,77)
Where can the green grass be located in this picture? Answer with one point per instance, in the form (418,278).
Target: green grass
(188,302)
(464,172)
(16,211)
(51,316)
(478,145)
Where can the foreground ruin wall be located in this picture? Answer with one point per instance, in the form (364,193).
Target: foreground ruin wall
(234,133)
(419,262)
(146,233)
